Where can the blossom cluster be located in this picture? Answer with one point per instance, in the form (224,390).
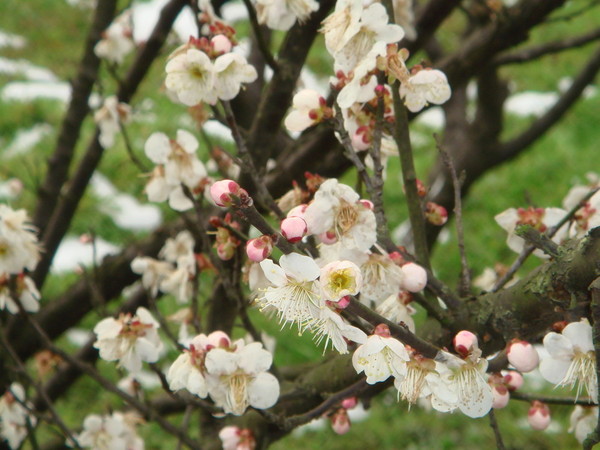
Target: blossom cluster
(19,252)
(232,373)
(114,431)
(117,39)
(14,416)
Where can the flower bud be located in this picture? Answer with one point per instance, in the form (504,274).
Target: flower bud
(513,380)
(340,422)
(223,192)
(360,142)
(465,342)
(297,211)
(539,416)
(522,355)
(501,396)
(349,403)
(293,228)
(415,277)
(436,214)
(221,44)
(328,237)
(367,203)
(343,302)
(382,330)
(259,248)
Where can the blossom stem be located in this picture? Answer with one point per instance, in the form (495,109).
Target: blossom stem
(497,433)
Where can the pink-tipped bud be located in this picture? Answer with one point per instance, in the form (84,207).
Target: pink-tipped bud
(436,214)
(328,237)
(539,416)
(340,422)
(343,302)
(219,339)
(382,330)
(501,396)
(260,248)
(223,192)
(421,189)
(360,142)
(415,277)
(221,44)
(349,403)
(464,343)
(513,380)
(522,355)
(367,203)
(297,211)
(293,228)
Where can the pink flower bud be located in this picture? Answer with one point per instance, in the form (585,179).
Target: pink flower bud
(539,416)
(523,356)
(343,302)
(297,211)
(366,203)
(221,44)
(293,228)
(465,342)
(340,422)
(513,380)
(219,339)
(415,277)
(436,214)
(328,237)
(260,248)
(222,193)
(349,403)
(382,330)
(359,142)
(501,397)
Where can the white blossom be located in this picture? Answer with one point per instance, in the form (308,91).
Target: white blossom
(116,42)
(379,358)
(29,296)
(331,327)
(231,70)
(572,359)
(129,339)
(305,105)
(108,117)
(340,278)
(18,243)
(424,87)
(14,416)
(110,432)
(583,421)
(282,14)
(191,77)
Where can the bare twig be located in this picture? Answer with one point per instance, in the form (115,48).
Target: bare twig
(260,38)
(465,276)
(497,433)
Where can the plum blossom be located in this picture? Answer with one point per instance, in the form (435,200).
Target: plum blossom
(109,117)
(237,377)
(588,216)
(422,380)
(153,272)
(340,278)
(308,108)
(129,339)
(282,14)
(572,360)
(25,288)
(231,70)
(583,421)
(381,356)
(191,77)
(177,165)
(116,42)
(382,278)
(14,416)
(337,208)
(294,291)
(235,438)
(351,31)
(18,243)
(424,87)
(396,310)
(539,218)
(331,327)
(108,432)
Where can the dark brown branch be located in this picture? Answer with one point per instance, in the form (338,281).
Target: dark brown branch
(63,214)
(594,437)
(549,48)
(58,164)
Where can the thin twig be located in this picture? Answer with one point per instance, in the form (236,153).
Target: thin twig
(260,39)
(528,248)
(465,277)
(551,400)
(594,437)
(497,434)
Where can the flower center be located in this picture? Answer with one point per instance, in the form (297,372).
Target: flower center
(237,394)
(582,372)
(345,218)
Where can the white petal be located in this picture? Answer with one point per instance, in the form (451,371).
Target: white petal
(263,391)
(554,370)
(157,148)
(254,359)
(580,335)
(187,140)
(302,268)
(273,273)
(558,346)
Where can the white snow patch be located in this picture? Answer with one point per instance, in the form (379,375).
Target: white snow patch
(145,16)
(433,118)
(72,253)
(124,209)
(26,139)
(25,91)
(218,130)
(234,12)
(11,40)
(26,69)
(530,103)
(78,336)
